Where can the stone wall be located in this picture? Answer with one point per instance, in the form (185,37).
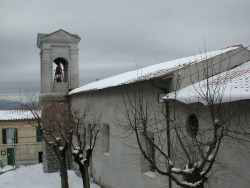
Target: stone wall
(55,117)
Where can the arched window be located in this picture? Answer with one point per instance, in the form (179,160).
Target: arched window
(60,70)
(192,125)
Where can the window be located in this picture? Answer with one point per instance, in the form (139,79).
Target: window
(106,138)
(39,134)
(89,134)
(192,125)
(9,136)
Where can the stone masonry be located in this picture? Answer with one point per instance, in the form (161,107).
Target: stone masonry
(59,48)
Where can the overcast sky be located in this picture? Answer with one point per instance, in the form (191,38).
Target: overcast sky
(117,35)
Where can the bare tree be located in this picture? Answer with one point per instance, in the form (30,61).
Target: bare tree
(67,133)
(56,130)
(85,134)
(195,151)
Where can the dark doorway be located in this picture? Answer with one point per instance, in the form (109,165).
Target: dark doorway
(40,157)
(10,156)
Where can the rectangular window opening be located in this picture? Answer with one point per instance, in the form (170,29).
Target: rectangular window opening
(39,134)
(9,136)
(106,138)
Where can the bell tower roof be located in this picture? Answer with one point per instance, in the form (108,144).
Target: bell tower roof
(59,36)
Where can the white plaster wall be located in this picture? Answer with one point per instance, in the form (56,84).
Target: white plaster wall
(232,165)
(122,167)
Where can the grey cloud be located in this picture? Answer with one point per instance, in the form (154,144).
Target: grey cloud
(117,35)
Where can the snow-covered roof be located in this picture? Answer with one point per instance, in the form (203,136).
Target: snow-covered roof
(15,115)
(228,86)
(149,72)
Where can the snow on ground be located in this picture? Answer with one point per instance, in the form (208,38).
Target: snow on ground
(34,177)
(6,168)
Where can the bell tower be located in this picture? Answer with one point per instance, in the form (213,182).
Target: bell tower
(59,74)
(59,62)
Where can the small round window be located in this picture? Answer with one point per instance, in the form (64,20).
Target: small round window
(192,125)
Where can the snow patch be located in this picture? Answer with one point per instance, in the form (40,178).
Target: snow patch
(170,162)
(106,154)
(61,148)
(150,174)
(75,151)
(188,170)
(176,170)
(6,168)
(216,121)
(33,176)
(16,115)
(81,155)
(83,160)
(191,184)
(77,147)
(210,157)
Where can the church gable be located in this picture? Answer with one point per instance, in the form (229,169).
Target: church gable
(58,36)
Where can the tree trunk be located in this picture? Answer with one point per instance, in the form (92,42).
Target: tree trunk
(193,178)
(85,176)
(64,174)
(64,178)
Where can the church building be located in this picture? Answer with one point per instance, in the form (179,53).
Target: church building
(117,160)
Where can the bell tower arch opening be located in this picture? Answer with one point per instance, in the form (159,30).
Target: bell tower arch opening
(59,62)
(60,70)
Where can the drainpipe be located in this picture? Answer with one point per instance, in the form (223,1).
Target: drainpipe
(168,140)
(167,118)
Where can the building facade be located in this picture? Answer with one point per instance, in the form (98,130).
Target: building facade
(117,161)
(20,139)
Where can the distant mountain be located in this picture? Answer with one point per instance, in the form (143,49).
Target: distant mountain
(11,101)
(8,104)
